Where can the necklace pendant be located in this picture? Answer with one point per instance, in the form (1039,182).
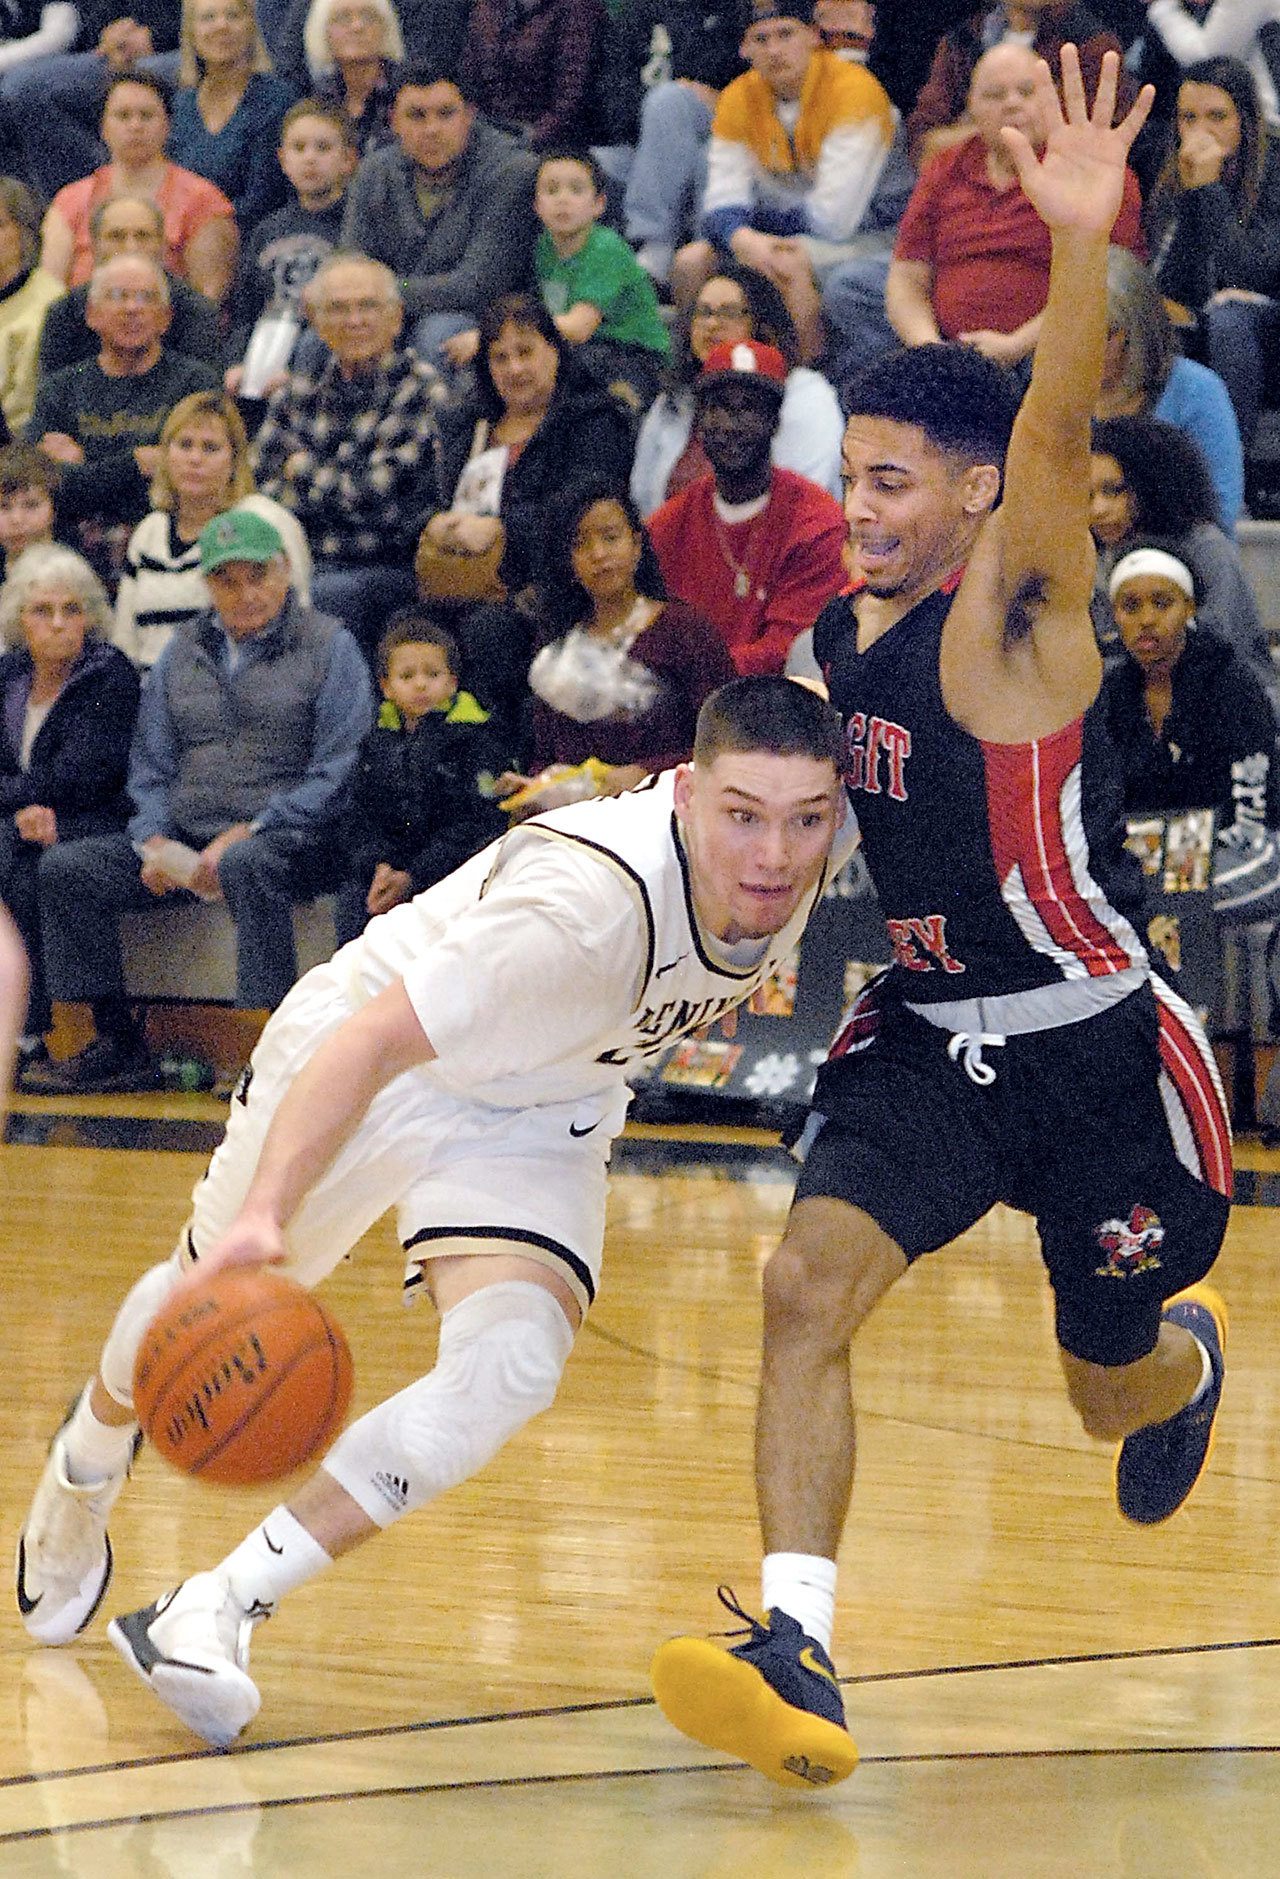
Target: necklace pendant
(742,584)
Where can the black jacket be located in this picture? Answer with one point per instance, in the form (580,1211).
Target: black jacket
(417,804)
(80,757)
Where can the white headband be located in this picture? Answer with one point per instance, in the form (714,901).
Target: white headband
(1152,561)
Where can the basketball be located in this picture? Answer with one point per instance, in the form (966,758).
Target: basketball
(242,1377)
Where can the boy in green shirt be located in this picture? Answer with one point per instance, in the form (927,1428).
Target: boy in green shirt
(591,283)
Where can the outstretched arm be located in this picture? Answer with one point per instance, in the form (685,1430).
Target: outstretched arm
(1076,187)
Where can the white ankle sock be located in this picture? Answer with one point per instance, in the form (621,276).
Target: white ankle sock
(273,1559)
(95,1450)
(804,1586)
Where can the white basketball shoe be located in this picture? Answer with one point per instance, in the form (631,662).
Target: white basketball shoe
(64,1555)
(192,1648)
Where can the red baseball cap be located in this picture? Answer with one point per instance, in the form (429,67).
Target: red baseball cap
(745,362)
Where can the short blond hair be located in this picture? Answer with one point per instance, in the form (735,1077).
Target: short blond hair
(203,404)
(189,67)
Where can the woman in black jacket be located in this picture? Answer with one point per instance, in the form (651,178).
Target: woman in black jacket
(68,702)
(1213,228)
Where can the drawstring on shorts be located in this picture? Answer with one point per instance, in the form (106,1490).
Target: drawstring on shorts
(967,1047)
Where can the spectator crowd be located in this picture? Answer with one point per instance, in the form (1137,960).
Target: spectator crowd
(408,415)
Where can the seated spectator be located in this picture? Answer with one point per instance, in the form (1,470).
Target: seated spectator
(797,147)
(203,469)
(736,303)
(622,671)
(1214,230)
(27,292)
(350,449)
(53,106)
(599,296)
(940,117)
(68,703)
(682,57)
(420,805)
(228,109)
(1149,482)
(448,207)
(756,550)
(539,421)
(971,261)
(247,741)
(102,419)
(1144,375)
(199,222)
(28,500)
(528,67)
(128,225)
(354,50)
(1194,729)
(283,252)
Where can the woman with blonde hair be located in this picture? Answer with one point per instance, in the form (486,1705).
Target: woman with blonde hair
(354,49)
(68,702)
(203,469)
(227,112)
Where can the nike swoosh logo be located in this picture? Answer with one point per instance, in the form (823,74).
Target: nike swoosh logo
(271,1545)
(810,1662)
(575,1131)
(26,1605)
(670,965)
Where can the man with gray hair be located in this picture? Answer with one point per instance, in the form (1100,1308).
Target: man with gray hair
(350,445)
(247,739)
(102,418)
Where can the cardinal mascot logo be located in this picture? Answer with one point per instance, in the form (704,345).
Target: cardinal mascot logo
(1130,1245)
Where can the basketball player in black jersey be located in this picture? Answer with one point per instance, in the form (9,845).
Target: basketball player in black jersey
(1020,1048)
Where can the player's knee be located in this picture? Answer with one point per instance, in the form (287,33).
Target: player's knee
(832,1266)
(502,1353)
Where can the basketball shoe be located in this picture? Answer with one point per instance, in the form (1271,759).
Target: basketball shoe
(1157,1467)
(773,1701)
(192,1648)
(64,1554)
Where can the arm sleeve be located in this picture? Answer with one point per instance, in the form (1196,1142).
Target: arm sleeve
(95,770)
(849,167)
(531,976)
(810,430)
(343,712)
(726,203)
(59,25)
(153,757)
(812,571)
(1230,27)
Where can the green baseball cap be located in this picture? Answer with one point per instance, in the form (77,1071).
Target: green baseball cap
(238,535)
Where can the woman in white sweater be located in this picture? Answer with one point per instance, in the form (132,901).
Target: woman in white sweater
(736,303)
(1231,28)
(203,468)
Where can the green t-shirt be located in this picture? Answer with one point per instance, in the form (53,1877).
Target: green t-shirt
(606,274)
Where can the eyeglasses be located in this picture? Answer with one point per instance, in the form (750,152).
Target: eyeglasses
(724,310)
(351,309)
(130,296)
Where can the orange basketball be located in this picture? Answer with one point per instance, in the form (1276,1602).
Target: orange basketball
(242,1377)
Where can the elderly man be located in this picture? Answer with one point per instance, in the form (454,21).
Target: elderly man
(102,418)
(971,261)
(248,736)
(797,147)
(448,206)
(125,225)
(350,446)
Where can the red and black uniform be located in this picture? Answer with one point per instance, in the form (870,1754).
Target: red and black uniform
(1020,1048)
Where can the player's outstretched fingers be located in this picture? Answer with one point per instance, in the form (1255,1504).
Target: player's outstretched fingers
(1073,86)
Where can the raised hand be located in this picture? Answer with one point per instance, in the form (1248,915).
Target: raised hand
(1077,182)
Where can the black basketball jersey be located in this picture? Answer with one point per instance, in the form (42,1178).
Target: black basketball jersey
(1000,868)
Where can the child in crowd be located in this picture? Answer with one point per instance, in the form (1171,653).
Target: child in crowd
(28,490)
(420,805)
(318,156)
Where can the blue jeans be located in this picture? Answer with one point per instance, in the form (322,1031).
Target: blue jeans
(1240,338)
(669,171)
(858,328)
(428,333)
(53,107)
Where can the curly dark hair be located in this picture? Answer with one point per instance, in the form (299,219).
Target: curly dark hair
(771,322)
(1164,471)
(964,403)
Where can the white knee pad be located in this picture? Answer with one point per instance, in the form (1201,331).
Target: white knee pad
(130,1327)
(502,1352)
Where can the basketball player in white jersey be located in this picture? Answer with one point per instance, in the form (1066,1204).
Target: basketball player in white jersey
(464,1062)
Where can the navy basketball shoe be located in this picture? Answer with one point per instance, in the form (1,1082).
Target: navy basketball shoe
(1157,1467)
(772,1701)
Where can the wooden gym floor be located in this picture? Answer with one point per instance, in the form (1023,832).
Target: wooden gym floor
(1036,1688)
